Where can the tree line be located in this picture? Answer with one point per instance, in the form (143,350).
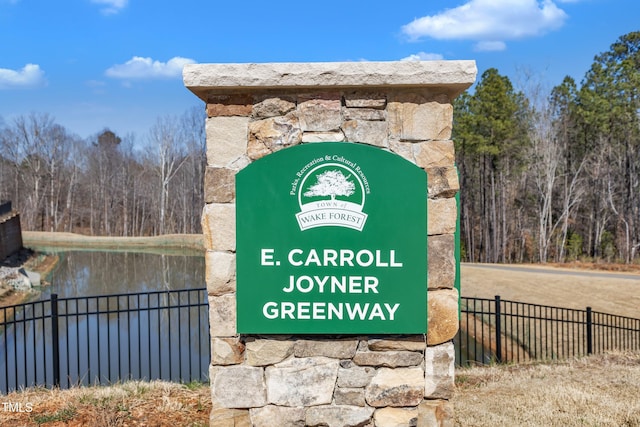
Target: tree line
(106,184)
(553,175)
(546,174)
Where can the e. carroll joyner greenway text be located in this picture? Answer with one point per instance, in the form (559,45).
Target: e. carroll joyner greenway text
(320,310)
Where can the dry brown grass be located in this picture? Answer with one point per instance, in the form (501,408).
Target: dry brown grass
(608,295)
(133,403)
(593,391)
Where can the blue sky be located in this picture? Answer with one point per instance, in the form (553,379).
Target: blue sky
(93,64)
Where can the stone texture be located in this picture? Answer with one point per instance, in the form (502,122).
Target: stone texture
(435,413)
(16,278)
(442,182)
(226,140)
(226,351)
(390,359)
(320,115)
(219,226)
(302,382)
(349,396)
(263,352)
(225,417)
(219,185)
(364,114)
(238,387)
(396,417)
(335,348)
(403,149)
(220,110)
(442,261)
(408,343)
(355,376)
(434,154)
(440,371)
(442,216)
(220,272)
(222,315)
(452,77)
(335,136)
(338,416)
(269,135)
(365,100)
(396,387)
(229,105)
(413,117)
(270,416)
(366,132)
(272,107)
(442,316)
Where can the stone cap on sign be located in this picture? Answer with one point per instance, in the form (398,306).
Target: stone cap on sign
(451,77)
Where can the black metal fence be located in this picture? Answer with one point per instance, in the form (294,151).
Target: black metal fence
(496,330)
(105,339)
(165,335)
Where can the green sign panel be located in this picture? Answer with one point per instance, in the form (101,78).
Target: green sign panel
(331,239)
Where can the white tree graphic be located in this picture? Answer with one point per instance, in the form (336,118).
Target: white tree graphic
(331,183)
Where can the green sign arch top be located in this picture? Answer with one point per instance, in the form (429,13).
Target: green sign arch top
(331,239)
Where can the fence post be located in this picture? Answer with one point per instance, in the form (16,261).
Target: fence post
(55,345)
(589,331)
(498,331)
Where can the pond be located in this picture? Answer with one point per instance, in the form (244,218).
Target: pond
(89,273)
(117,316)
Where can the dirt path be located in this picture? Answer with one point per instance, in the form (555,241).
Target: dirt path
(615,293)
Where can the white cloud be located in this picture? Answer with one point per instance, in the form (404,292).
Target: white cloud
(492,20)
(146,68)
(489,46)
(423,56)
(28,77)
(112,6)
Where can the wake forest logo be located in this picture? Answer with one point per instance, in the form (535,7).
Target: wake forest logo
(331,192)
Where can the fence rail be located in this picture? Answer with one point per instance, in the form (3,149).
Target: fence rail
(105,339)
(496,330)
(164,335)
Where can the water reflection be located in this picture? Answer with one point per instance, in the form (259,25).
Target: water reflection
(101,273)
(163,334)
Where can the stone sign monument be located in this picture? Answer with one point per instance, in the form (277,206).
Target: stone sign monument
(327,186)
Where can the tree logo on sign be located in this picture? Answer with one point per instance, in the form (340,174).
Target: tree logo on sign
(331,183)
(332,195)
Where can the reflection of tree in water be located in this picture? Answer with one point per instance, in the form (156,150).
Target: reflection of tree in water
(166,272)
(165,339)
(101,273)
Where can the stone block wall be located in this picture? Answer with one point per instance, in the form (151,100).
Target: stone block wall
(256,109)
